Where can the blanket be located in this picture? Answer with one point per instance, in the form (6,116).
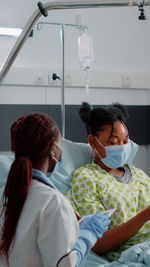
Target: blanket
(135,256)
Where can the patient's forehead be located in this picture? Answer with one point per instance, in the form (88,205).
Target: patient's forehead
(119,131)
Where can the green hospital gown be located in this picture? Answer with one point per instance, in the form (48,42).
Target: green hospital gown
(94,190)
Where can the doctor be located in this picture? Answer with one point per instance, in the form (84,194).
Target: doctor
(39,227)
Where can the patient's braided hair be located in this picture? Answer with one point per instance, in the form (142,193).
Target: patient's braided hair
(31,139)
(96,118)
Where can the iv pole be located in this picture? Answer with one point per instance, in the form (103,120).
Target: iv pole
(62,32)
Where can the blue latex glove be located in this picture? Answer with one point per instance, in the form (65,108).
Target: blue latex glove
(97,224)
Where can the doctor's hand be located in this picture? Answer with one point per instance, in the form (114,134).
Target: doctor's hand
(97,224)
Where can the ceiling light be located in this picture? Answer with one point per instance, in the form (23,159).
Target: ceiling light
(10,31)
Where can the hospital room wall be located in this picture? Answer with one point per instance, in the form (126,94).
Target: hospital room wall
(119,73)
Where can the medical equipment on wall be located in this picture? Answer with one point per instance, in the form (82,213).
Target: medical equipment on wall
(141,10)
(52,5)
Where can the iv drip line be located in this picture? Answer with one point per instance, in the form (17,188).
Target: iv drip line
(86,75)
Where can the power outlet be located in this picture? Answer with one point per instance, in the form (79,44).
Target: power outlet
(126,80)
(38,77)
(68,79)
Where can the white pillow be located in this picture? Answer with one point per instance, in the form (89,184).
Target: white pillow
(74,155)
(5,163)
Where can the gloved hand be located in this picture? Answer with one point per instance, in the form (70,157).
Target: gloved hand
(97,224)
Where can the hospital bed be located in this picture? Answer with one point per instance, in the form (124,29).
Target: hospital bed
(74,156)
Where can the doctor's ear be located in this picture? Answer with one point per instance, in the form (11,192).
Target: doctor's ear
(51,151)
(91,140)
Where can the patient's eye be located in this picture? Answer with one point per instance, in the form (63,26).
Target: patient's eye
(112,143)
(126,141)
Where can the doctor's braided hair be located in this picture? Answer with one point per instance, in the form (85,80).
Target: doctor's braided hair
(32,136)
(96,118)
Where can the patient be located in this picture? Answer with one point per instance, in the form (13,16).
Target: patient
(108,182)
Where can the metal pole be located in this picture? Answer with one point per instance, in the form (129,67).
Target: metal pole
(63,82)
(82,27)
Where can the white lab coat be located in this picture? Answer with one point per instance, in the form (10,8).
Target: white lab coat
(47,229)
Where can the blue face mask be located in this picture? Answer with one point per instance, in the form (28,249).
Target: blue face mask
(58,162)
(58,165)
(56,168)
(134,149)
(116,155)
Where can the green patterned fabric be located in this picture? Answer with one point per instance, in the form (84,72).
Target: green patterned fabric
(94,190)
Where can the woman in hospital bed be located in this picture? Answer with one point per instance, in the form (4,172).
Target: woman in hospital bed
(109,183)
(38,225)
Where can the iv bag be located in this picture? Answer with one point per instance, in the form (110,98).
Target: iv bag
(85,47)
